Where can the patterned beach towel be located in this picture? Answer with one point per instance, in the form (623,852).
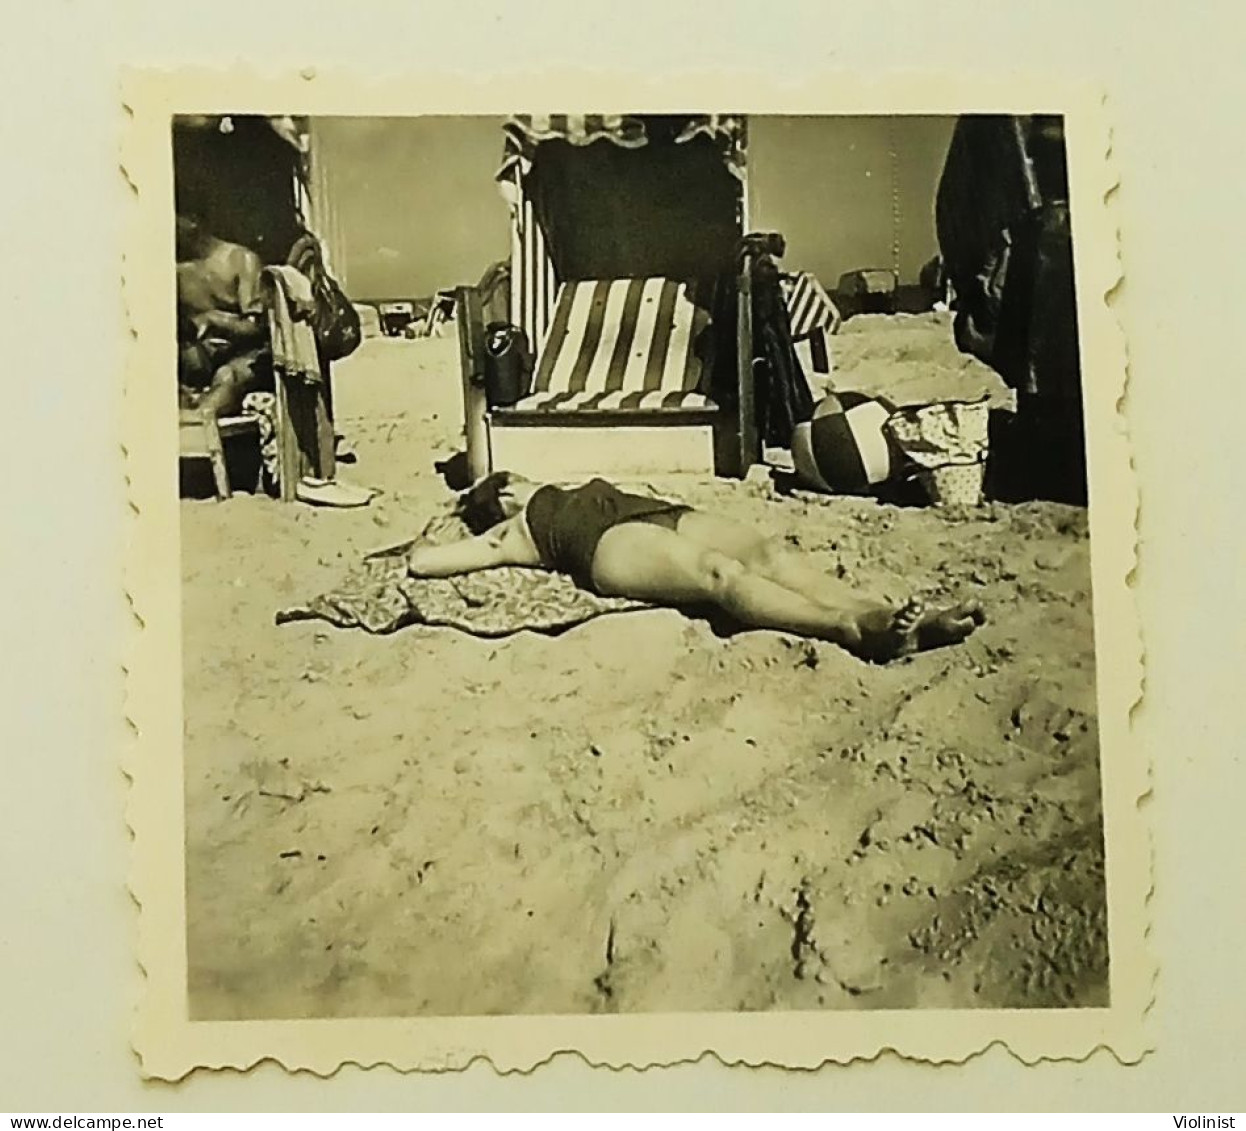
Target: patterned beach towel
(378,596)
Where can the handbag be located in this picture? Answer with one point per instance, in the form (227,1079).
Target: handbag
(334,321)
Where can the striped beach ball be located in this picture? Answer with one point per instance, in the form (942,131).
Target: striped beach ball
(844,449)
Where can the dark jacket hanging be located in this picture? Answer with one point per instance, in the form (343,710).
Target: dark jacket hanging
(783,397)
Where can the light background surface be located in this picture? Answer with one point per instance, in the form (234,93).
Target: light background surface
(1176,88)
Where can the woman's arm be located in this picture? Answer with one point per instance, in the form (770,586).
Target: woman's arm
(500,546)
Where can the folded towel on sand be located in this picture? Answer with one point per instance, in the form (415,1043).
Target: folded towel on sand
(379,597)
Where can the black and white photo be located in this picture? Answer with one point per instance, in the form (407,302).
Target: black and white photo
(631,564)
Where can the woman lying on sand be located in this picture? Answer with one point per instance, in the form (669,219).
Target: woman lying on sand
(623,545)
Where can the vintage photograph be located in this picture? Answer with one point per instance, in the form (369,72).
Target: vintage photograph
(634,563)
(621,565)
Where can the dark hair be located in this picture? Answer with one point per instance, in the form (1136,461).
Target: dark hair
(480,506)
(191,235)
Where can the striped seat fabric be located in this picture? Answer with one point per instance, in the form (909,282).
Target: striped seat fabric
(624,345)
(813,317)
(809,307)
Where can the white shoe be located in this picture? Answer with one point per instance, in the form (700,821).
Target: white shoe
(332,493)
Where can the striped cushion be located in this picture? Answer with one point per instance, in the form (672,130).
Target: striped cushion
(624,345)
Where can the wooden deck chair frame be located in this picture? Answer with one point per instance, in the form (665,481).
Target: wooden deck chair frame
(204,439)
(304,435)
(728,437)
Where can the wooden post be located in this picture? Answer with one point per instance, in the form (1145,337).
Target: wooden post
(746,401)
(289,459)
(819,353)
(472,361)
(326,434)
(216,454)
(305,434)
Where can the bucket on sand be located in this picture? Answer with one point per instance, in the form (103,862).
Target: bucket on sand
(954,484)
(946,443)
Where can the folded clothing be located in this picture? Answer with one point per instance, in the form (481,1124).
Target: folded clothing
(288,293)
(379,597)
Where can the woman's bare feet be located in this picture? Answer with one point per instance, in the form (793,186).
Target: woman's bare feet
(887,635)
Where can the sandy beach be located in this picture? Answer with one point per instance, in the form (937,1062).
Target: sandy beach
(645,812)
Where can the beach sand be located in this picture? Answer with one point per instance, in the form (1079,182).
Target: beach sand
(642,813)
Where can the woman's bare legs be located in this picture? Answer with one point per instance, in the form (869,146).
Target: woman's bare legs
(917,627)
(771,559)
(649,562)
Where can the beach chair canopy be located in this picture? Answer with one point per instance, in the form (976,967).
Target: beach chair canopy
(629,197)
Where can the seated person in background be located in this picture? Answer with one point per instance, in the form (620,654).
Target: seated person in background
(623,545)
(222,335)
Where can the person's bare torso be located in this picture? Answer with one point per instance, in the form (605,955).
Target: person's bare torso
(226,279)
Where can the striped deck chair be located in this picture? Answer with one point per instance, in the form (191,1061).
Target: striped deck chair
(624,364)
(625,346)
(813,317)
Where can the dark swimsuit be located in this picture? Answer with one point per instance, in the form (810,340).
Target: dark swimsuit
(566,525)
